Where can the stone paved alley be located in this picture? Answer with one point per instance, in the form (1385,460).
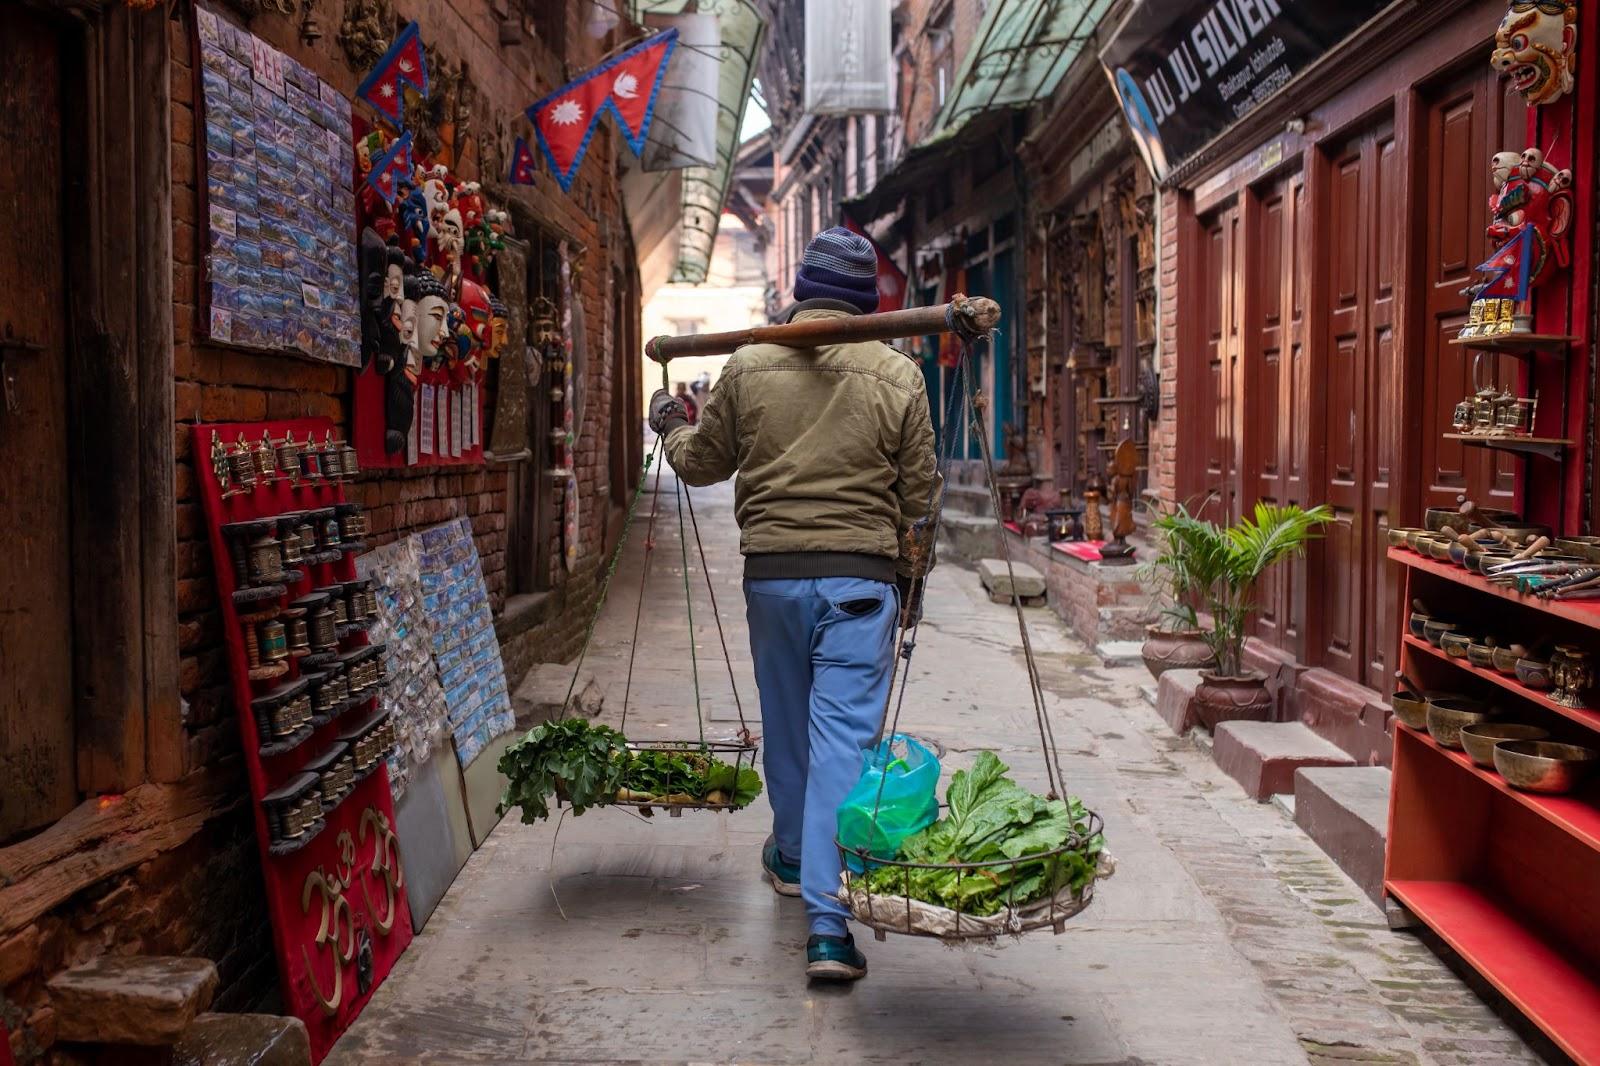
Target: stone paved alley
(1225,936)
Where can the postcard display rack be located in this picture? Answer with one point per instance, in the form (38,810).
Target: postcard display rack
(306,684)
(1476,860)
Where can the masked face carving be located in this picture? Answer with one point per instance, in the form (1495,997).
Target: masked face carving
(432,325)
(394,282)
(448,235)
(1534,198)
(1534,47)
(405,317)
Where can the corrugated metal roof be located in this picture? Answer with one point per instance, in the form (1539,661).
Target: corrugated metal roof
(1021,51)
(706,188)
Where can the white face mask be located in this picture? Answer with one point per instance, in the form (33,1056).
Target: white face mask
(431,324)
(406,317)
(394,283)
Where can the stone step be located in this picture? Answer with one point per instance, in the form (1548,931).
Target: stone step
(1175,699)
(968,499)
(1346,811)
(243,1040)
(1120,652)
(968,537)
(1263,756)
(1003,582)
(139,999)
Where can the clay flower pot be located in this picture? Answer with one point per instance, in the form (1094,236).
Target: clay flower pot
(1181,649)
(1231,699)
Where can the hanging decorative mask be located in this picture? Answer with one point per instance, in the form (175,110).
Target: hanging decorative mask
(374,299)
(432,315)
(476,321)
(1535,48)
(448,242)
(499,327)
(1534,205)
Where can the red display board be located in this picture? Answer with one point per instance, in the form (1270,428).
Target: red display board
(336,894)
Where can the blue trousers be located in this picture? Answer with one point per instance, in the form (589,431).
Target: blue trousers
(823,649)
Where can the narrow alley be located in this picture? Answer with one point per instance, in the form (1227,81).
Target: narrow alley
(1225,936)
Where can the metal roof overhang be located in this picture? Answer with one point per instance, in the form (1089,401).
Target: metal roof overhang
(1021,51)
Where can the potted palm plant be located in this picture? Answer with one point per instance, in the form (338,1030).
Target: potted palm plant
(1176,642)
(1224,565)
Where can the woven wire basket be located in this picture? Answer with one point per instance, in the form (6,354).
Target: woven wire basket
(900,913)
(740,754)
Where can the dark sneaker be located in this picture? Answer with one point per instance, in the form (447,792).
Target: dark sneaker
(784,875)
(834,958)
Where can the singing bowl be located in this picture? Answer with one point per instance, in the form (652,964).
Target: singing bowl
(1410,708)
(1479,741)
(1543,765)
(1448,716)
(1434,630)
(1416,622)
(1439,548)
(1505,661)
(1415,538)
(1455,644)
(1437,518)
(1534,673)
(1488,557)
(1481,655)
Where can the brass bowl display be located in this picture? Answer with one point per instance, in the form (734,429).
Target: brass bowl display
(1505,661)
(1439,548)
(1534,673)
(1455,645)
(1481,655)
(1543,765)
(1416,622)
(1433,629)
(1410,708)
(1449,715)
(1415,538)
(1479,741)
(1459,552)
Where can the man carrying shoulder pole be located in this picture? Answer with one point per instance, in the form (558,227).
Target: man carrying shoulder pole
(835,454)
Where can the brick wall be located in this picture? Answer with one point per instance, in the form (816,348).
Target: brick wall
(204,897)
(1164,434)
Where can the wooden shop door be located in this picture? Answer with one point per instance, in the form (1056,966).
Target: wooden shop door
(1218,409)
(1470,117)
(1276,392)
(1360,392)
(37,778)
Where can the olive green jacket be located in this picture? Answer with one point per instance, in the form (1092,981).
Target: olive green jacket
(833,447)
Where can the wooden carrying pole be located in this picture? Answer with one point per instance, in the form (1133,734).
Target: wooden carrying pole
(969,316)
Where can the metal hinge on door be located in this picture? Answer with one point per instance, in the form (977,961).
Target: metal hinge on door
(9,346)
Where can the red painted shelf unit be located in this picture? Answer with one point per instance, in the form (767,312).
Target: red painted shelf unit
(1500,875)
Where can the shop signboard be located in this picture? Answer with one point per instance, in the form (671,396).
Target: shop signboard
(1186,70)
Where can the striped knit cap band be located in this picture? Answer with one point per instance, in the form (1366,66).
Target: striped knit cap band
(839,265)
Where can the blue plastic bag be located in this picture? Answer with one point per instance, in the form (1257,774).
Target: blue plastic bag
(895,797)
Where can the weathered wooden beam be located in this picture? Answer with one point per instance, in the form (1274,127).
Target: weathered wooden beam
(104,836)
(963,314)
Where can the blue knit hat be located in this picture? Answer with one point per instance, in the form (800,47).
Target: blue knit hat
(839,265)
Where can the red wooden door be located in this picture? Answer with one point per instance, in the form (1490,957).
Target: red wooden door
(1218,403)
(1470,117)
(1276,391)
(37,778)
(1360,383)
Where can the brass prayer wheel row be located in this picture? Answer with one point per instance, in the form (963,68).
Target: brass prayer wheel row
(1495,414)
(280,714)
(293,809)
(335,770)
(371,741)
(245,464)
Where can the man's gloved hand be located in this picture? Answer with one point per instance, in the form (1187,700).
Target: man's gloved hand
(910,605)
(666,410)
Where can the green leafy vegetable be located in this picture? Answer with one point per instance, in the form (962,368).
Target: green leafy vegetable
(588,765)
(991,818)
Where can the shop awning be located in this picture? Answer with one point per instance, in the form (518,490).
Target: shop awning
(1022,50)
(704,189)
(1019,56)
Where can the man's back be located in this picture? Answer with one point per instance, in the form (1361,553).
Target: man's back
(833,446)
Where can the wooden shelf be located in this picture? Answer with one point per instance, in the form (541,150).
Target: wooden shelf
(1560,996)
(1586,718)
(1517,343)
(1586,613)
(1549,447)
(1575,814)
